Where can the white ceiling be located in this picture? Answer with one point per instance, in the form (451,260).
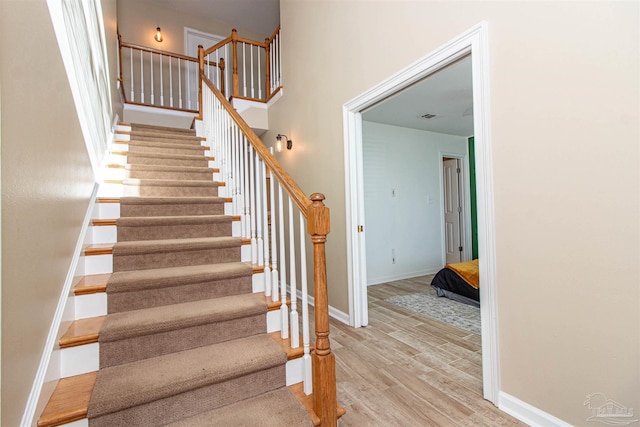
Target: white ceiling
(446,93)
(257,16)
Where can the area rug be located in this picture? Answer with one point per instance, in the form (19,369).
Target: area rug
(451,312)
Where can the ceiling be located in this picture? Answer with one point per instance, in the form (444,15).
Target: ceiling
(447,94)
(257,16)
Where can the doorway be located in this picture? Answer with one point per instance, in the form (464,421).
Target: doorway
(456,203)
(474,42)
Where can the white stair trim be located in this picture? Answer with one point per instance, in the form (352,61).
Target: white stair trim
(527,413)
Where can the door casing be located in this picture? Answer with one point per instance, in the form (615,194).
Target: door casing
(475,42)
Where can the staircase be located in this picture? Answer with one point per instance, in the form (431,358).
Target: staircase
(182,339)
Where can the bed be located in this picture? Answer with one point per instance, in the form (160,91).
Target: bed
(459,282)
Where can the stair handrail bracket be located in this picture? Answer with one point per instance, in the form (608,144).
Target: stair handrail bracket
(259,188)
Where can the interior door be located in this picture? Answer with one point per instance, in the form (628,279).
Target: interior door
(453,230)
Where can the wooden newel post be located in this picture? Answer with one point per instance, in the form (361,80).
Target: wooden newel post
(234,51)
(267,65)
(324,365)
(200,74)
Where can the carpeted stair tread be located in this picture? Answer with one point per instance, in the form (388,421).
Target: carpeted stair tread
(276,408)
(169,145)
(160,129)
(149,321)
(165,137)
(144,381)
(165,156)
(168,168)
(170,245)
(149,200)
(169,183)
(138,289)
(172,220)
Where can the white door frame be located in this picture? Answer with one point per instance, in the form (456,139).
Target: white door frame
(466,208)
(474,41)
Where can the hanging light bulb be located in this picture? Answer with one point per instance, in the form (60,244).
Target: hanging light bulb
(158,36)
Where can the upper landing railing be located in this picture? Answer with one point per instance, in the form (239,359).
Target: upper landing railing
(238,67)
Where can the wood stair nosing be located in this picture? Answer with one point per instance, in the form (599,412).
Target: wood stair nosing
(91,284)
(307,402)
(69,401)
(81,332)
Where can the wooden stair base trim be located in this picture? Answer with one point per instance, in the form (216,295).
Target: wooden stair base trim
(82,331)
(292,353)
(271,305)
(103,222)
(69,401)
(103,249)
(307,402)
(92,284)
(108,199)
(257,269)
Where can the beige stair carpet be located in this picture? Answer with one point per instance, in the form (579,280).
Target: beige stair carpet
(185,339)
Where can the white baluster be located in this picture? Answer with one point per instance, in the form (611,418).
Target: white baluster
(244,70)
(228,68)
(245,188)
(260,77)
(161,83)
(252,71)
(295,331)
(274,246)
(252,206)
(306,358)
(265,242)
(151,66)
(279,61)
(179,83)
(133,96)
(217,72)
(209,66)
(260,207)
(188,79)
(141,79)
(170,84)
(284,333)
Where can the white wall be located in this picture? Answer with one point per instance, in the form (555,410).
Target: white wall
(407,161)
(47,181)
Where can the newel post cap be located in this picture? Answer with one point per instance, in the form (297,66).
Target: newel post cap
(318,216)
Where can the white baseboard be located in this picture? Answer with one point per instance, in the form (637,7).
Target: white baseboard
(340,316)
(394,277)
(526,413)
(33,402)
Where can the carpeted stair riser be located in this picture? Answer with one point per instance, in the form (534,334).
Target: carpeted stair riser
(146,298)
(137,127)
(167,160)
(135,290)
(165,148)
(144,228)
(162,137)
(147,346)
(168,172)
(147,254)
(187,189)
(171,206)
(168,388)
(193,402)
(141,334)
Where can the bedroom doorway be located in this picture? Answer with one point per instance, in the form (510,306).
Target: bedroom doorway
(474,43)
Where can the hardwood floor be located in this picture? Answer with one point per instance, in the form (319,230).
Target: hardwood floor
(405,369)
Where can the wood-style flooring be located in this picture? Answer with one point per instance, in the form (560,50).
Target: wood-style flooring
(408,370)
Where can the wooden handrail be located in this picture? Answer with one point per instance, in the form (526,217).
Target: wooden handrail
(273,35)
(251,42)
(166,53)
(318,226)
(299,198)
(217,46)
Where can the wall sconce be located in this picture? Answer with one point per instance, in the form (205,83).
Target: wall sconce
(158,36)
(279,142)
